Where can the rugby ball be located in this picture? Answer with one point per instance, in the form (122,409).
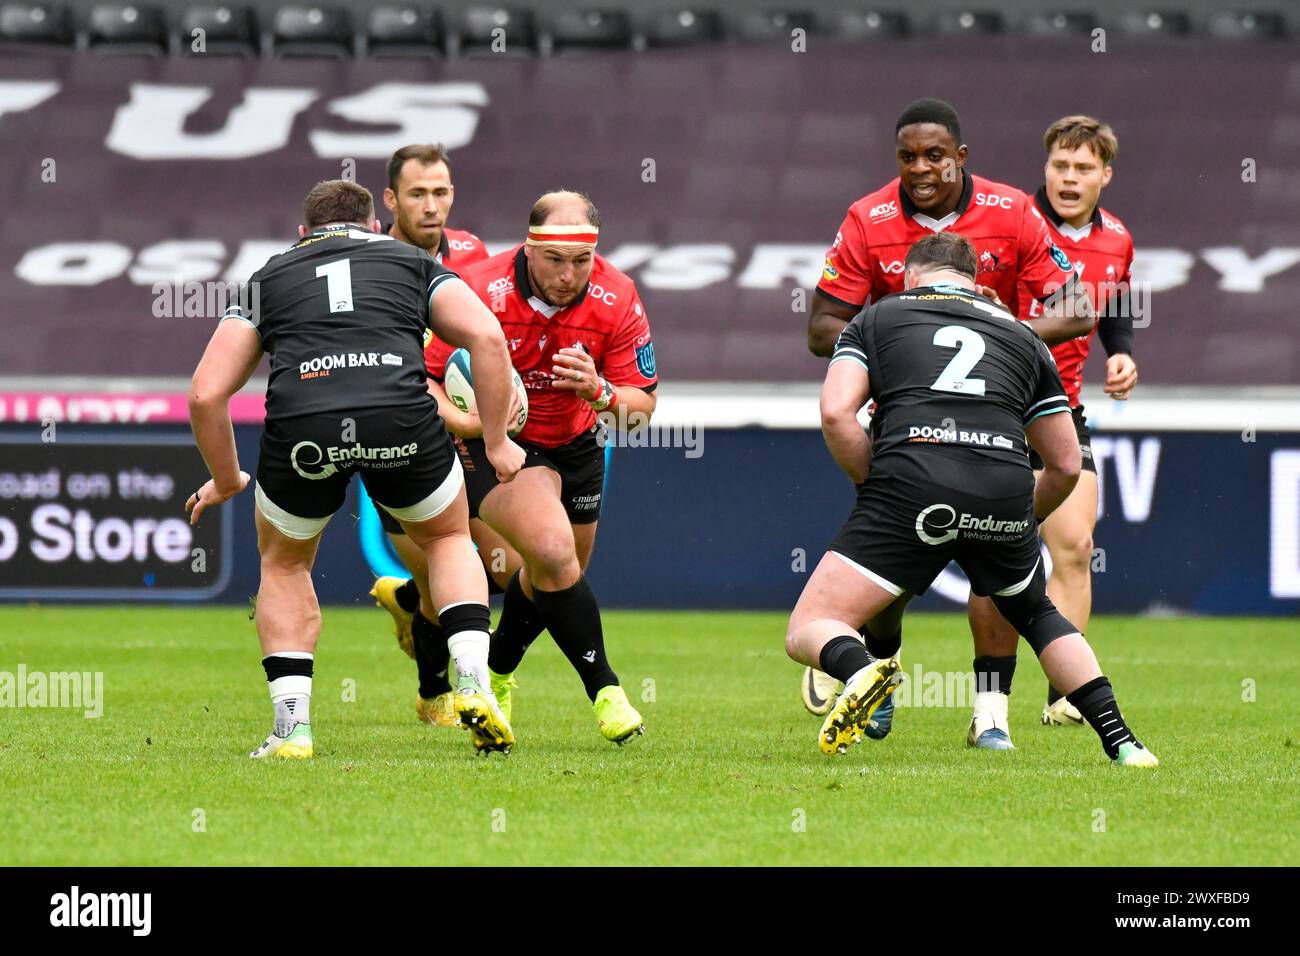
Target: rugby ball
(458,383)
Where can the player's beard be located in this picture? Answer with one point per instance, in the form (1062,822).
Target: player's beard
(548,297)
(424,239)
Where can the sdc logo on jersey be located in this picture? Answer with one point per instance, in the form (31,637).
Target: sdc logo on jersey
(994,200)
(601,294)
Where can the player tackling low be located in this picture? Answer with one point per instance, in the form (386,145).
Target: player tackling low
(343,315)
(960,388)
(1080,153)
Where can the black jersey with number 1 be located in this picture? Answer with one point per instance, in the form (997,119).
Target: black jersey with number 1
(344,314)
(955,379)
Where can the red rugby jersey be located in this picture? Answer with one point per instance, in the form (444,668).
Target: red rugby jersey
(607,320)
(1102,252)
(459,249)
(1012,245)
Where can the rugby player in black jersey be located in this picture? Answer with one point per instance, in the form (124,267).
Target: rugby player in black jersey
(344,315)
(962,391)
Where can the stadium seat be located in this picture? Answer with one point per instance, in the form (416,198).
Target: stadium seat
(312,31)
(127,28)
(1154,24)
(1235,25)
(967,22)
(1062,24)
(865,24)
(770,24)
(35,23)
(227,31)
(403,31)
(577,30)
(483,28)
(683,27)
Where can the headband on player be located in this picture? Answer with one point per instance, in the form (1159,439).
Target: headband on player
(584,235)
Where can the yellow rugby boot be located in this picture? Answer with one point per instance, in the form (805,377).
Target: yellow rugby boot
(385,594)
(618,719)
(850,717)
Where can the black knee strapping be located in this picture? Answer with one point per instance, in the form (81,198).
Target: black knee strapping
(1032,613)
(464,617)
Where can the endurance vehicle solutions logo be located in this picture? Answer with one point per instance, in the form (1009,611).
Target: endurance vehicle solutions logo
(325,462)
(946,520)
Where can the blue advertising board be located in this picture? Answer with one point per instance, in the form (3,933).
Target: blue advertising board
(1205,523)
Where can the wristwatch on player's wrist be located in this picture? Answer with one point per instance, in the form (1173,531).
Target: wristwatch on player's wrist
(604,399)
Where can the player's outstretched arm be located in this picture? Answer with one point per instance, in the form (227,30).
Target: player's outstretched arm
(459,318)
(846,389)
(228,362)
(1067,314)
(826,322)
(1057,442)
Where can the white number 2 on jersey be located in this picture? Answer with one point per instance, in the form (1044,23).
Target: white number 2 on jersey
(971,350)
(338,285)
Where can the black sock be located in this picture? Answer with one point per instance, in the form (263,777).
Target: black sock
(520,624)
(882,648)
(573,618)
(995,673)
(1053,695)
(408,596)
(1096,701)
(843,657)
(432,658)
(277,666)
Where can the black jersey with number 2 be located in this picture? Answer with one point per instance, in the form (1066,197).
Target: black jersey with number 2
(953,376)
(343,314)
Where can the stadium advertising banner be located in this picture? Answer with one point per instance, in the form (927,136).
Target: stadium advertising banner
(1190,522)
(100,516)
(140,192)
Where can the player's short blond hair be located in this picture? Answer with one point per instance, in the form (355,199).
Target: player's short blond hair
(1071,132)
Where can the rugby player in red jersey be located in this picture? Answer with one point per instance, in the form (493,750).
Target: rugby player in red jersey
(419,196)
(1018,264)
(1080,153)
(579,338)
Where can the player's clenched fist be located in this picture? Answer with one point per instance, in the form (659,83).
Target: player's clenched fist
(575,371)
(507,459)
(1121,376)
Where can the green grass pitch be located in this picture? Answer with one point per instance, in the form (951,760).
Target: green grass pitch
(728,773)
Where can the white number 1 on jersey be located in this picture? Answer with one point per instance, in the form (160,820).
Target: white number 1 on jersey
(338,285)
(971,350)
